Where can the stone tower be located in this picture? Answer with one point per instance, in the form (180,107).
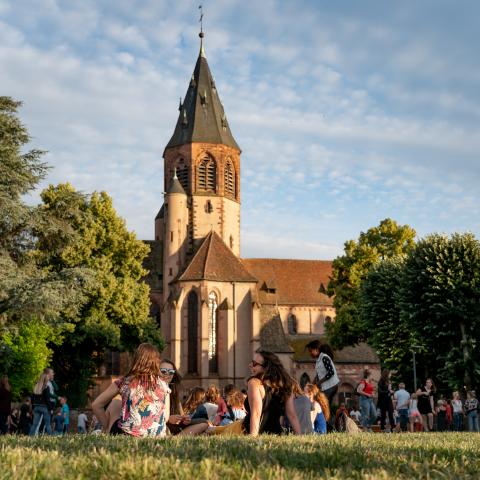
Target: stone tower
(206,158)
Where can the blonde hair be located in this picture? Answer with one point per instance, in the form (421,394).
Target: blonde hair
(146,364)
(41,384)
(236,399)
(319,397)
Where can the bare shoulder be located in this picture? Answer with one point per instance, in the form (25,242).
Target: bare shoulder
(254,382)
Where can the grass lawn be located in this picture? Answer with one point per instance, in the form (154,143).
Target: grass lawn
(423,455)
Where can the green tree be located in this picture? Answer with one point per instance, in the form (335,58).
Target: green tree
(440,300)
(386,329)
(28,294)
(387,240)
(116,313)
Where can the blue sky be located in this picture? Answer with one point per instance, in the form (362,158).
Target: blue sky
(346,112)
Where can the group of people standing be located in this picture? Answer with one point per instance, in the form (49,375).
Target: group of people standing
(416,411)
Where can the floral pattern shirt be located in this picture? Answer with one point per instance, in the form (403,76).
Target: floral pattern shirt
(143,407)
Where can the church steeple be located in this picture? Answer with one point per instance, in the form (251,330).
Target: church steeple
(202,117)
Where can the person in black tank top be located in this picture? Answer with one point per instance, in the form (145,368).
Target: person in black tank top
(270,396)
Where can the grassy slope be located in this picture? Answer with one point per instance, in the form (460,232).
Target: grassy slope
(332,456)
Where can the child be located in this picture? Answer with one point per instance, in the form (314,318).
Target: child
(144,408)
(65,414)
(441,416)
(58,422)
(82,422)
(414,415)
(235,401)
(321,409)
(194,405)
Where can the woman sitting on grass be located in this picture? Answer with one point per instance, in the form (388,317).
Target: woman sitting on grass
(321,408)
(194,405)
(144,398)
(178,423)
(269,396)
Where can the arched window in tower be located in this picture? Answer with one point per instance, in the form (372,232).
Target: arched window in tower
(292,324)
(182,174)
(192,333)
(207,174)
(212,333)
(230,184)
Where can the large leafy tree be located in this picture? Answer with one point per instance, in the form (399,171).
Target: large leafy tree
(387,240)
(116,313)
(440,300)
(32,300)
(387,331)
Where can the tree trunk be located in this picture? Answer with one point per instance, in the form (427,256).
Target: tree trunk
(466,358)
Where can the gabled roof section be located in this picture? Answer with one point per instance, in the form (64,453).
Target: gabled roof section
(215,261)
(202,117)
(291,282)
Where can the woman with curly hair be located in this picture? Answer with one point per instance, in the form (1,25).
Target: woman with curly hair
(321,408)
(269,396)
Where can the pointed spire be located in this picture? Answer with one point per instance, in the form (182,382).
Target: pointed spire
(201,117)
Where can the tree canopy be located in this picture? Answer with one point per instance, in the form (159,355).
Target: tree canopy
(387,240)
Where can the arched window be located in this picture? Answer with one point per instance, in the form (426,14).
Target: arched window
(192,339)
(292,324)
(207,174)
(212,333)
(327,321)
(304,379)
(182,174)
(230,187)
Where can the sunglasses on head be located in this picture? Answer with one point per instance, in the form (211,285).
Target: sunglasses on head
(253,363)
(168,371)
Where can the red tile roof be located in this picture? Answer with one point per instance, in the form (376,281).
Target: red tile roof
(215,261)
(290,282)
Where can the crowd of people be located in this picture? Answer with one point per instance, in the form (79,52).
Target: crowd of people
(422,410)
(148,402)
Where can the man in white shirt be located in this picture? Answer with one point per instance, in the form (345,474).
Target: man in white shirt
(402,402)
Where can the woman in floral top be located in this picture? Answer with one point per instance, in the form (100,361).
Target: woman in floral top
(144,398)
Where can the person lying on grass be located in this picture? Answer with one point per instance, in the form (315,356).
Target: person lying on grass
(144,405)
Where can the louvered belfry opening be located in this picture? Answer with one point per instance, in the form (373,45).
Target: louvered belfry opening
(230,187)
(207,174)
(182,174)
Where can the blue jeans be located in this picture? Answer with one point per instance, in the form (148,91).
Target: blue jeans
(472,418)
(320,424)
(368,411)
(457,421)
(39,412)
(403,414)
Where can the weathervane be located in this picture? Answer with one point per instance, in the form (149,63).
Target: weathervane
(201,34)
(200,7)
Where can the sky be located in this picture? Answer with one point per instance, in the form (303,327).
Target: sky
(346,112)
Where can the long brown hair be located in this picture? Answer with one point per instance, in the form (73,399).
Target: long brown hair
(175,387)
(212,394)
(275,376)
(145,365)
(195,398)
(4,383)
(319,397)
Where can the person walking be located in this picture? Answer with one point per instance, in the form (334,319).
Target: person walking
(425,395)
(144,398)
(471,410)
(367,408)
(5,404)
(41,406)
(326,374)
(384,402)
(402,403)
(269,396)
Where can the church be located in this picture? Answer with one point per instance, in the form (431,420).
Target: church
(216,309)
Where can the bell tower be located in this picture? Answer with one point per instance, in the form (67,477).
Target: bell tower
(206,159)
